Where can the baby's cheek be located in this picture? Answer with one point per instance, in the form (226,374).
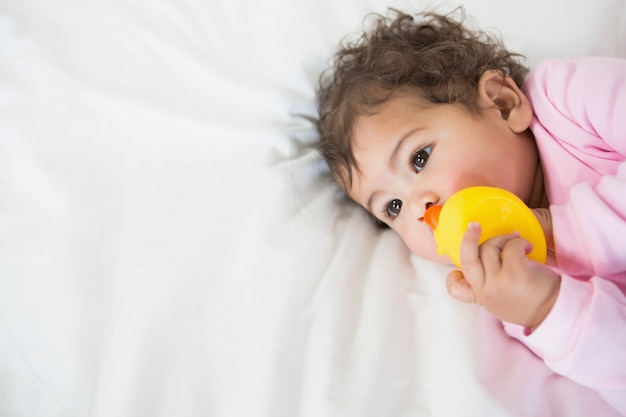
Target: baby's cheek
(422,243)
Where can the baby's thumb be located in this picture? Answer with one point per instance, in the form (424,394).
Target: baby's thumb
(459,288)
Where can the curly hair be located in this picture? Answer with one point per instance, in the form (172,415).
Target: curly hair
(432,53)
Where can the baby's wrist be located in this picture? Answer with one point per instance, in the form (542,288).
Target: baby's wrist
(544,217)
(542,311)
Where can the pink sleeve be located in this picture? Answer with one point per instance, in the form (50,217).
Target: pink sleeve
(590,229)
(584,337)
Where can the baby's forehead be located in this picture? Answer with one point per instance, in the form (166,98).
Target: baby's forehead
(355,187)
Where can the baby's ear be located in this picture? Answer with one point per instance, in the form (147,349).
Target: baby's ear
(501,92)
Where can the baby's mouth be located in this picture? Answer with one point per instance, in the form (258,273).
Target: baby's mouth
(431,231)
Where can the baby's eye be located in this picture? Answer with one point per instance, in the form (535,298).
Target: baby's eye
(393,208)
(419,158)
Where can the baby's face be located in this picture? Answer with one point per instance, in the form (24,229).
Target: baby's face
(413,154)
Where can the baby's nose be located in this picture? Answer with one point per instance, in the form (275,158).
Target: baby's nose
(419,205)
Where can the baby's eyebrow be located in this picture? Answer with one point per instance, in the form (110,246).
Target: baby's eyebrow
(394,155)
(371,200)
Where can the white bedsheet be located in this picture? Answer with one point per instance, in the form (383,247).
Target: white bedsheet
(171,244)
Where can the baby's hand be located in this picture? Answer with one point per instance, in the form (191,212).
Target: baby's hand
(499,276)
(545,219)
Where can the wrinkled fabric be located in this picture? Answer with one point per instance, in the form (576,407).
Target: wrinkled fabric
(580,108)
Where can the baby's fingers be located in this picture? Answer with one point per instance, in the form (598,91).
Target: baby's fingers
(492,251)
(470,255)
(516,249)
(459,288)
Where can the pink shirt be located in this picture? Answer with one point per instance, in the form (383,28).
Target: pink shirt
(580,129)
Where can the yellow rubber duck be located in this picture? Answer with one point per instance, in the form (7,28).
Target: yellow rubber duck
(498,211)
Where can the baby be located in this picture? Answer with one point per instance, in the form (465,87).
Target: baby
(421,107)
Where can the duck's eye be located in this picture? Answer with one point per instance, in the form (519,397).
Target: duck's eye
(420,158)
(393,208)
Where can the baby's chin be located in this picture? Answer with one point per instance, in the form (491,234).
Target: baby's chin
(433,256)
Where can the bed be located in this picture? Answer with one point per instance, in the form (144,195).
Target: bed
(171,243)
